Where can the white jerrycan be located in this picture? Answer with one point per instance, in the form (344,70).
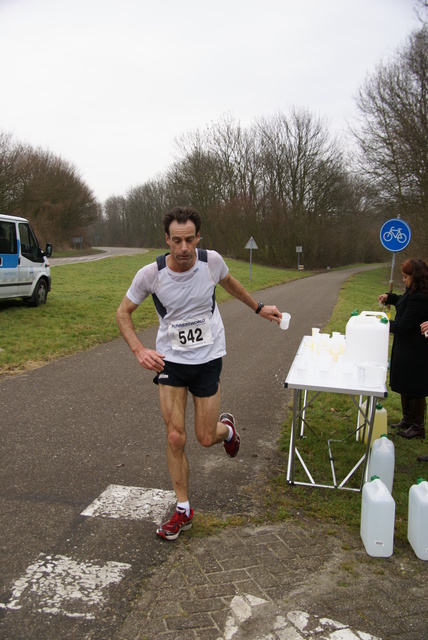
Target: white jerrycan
(377,519)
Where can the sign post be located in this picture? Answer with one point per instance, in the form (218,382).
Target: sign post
(251,244)
(298,251)
(395,235)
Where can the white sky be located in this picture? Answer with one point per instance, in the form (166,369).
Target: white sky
(109,84)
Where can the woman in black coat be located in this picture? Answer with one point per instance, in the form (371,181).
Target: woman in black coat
(409,355)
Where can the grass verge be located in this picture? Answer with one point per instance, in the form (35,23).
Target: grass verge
(80,311)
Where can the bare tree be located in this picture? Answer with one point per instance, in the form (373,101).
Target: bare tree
(393,132)
(10,155)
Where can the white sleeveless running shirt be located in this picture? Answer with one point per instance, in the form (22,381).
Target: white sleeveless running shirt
(191,330)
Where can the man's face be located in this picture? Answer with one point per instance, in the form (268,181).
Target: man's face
(182,241)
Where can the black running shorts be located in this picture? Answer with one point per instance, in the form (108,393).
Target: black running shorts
(202,380)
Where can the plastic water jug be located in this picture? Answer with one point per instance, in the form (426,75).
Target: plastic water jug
(377,519)
(380,424)
(382,461)
(367,338)
(417,527)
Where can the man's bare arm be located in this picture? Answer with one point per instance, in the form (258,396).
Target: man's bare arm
(238,291)
(148,358)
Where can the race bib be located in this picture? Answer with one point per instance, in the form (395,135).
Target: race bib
(190,334)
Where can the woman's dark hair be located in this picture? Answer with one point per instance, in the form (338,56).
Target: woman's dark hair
(181,215)
(418,270)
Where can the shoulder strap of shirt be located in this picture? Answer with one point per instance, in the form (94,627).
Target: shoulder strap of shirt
(161,261)
(203,255)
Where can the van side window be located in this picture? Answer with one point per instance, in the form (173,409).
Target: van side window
(7,237)
(29,244)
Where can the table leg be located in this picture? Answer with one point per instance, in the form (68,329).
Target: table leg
(297,398)
(371,411)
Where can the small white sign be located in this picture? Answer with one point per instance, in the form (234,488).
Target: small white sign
(251,244)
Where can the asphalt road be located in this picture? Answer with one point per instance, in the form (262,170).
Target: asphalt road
(76,426)
(107,252)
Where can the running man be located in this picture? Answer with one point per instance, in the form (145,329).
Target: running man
(190,345)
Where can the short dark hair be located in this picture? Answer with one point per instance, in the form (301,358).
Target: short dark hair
(182,215)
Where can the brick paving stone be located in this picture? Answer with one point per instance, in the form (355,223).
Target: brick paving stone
(217,590)
(242,562)
(228,576)
(250,587)
(195,621)
(263,577)
(201,605)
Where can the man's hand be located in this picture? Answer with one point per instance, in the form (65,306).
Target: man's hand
(150,359)
(271,313)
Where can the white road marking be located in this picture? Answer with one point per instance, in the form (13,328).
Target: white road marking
(60,585)
(297,625)
(132,503)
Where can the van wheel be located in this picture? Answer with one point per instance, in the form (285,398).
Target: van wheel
(40,293)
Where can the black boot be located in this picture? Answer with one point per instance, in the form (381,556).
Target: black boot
(417,413)
(406,420)
(414,431)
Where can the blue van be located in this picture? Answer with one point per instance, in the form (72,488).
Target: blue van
(24,266)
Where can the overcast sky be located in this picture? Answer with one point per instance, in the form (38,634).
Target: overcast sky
(108,85)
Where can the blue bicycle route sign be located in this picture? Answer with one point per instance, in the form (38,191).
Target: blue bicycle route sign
(395,234)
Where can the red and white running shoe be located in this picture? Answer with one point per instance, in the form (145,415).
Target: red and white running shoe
(232,446)
(178,523)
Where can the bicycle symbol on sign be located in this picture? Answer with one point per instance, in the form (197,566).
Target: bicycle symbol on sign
(396,234)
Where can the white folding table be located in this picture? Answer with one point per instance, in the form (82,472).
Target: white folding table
(308,377)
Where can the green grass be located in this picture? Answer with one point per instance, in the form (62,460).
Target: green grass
(80,311)
(334,416)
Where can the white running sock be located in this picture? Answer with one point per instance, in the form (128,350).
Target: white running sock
(185,506)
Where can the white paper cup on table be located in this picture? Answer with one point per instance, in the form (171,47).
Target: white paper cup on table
(285,320)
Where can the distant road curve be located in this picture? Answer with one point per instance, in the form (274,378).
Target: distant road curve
(109,252)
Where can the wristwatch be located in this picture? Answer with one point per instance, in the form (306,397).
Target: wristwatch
(259,307)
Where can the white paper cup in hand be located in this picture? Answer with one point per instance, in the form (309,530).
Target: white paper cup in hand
(285,320)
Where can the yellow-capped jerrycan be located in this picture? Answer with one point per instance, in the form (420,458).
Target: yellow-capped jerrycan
(380,423)
(417,526)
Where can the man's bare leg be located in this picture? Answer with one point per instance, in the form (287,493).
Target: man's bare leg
(208,429)
(173,402)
